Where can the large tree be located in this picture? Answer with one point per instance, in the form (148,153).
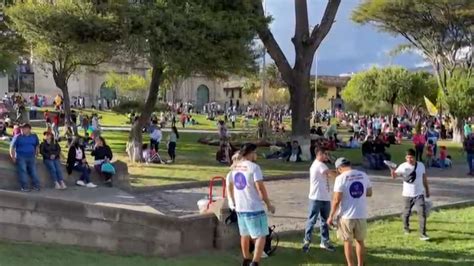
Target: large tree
(379,90)
(66,35)
(297,76)
(443,30)
(11,44)
(207,37)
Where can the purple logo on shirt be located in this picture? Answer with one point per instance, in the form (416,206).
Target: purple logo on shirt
(356,189)
(240,181)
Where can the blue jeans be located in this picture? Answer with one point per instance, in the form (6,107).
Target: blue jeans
(25,166)
(470,162)
(321,209)
(85,172)
(372,160)
(54,169)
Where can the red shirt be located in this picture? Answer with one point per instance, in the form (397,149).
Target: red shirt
(443,154)
(419,139)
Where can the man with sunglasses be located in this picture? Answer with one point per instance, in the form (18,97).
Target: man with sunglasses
(319,200)
(415,188)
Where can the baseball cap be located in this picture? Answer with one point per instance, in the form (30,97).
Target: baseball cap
(342,161)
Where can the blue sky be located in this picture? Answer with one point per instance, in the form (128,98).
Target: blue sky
(348,47)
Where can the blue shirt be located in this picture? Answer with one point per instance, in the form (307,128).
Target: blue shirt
(25,146)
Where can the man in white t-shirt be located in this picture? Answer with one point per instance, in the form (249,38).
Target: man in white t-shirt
(247,192)
(319,201)
(351,189)
(415,188)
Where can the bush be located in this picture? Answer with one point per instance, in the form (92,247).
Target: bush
(125,106)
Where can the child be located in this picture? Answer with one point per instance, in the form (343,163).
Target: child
(145,153)
(429,153)
(443,155)
(449,162)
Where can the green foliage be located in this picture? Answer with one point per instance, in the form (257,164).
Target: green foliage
(132,86)
(460,97)
(378,90)
(65,34)
(212,38)
(11,45)
(126,106)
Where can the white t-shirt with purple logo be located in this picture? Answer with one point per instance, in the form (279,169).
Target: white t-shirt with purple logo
(353,185)
(243,176)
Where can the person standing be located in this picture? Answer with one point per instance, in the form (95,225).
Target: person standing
(23,150)
(173,139)
(319,201)
(419,140)
(246,192)
(155,136)
(233,118)
(433,135)
(415,188)
(351,189)
(50,150)
(469,149)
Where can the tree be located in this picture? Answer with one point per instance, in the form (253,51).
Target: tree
(207,37)
(460,97)
(130,86)
(297,77)
(443,30)
(66,35)
(11,45)
(379,90)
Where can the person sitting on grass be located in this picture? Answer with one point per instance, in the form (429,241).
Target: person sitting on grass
(296,152)
(102,155)
(76,161)
(379,151)
(280,153)
(51,151)
(429,153)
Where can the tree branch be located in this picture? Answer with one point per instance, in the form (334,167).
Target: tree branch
(321,30)
(272,46)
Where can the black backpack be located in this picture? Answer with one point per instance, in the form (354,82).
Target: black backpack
(271,244)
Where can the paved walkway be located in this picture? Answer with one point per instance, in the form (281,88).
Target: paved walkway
(290,198)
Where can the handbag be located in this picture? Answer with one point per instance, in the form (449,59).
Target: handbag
(412,176)
(107,168)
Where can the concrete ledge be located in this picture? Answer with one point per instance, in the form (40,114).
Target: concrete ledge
(32,218)
(9,177)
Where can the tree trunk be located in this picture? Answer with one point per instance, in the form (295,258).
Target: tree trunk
(458,130)
(300,104)
(66,105)
(135,138)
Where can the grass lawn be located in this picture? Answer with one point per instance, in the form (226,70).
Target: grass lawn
(451,233)
(196,162)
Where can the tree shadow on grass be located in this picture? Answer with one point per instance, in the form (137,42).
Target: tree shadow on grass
(285,256)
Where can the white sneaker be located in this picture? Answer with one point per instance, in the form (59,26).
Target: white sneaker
(57,185)
(91,185)
(80,183)
(63,185)
(424,237)
(264,255)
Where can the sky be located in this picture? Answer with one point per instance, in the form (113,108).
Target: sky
(347,48)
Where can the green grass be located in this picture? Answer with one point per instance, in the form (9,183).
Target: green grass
(451,233)
(196,162)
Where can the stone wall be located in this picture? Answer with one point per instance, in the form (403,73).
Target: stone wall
(31,218)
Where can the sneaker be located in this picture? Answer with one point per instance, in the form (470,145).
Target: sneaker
(91,185)
(63,185)
(424,237)
(80,183)
(306,247)
(57,185)
(327,246)
(264,255)
(36,189)
(25,190)
(406,231)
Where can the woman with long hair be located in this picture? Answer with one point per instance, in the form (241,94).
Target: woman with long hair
(102,154)
(76,161)
(173,139)
(50,150)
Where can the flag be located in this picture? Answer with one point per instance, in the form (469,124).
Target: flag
(432,110)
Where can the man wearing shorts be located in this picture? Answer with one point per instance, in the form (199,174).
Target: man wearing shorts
(247,191)
(319,201)
(415,188)
(351,189)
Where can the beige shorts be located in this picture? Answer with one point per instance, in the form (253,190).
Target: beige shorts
(350,229)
